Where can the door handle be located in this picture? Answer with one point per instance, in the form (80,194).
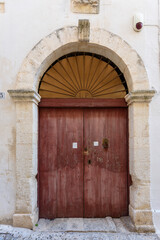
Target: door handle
(105,143)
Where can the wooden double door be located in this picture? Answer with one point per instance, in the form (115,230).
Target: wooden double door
(83,168)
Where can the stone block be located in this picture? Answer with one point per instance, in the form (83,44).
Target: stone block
(83,30)
(140,197)
(142,219)
(25,220)
(29,79)
(139,127)
(77,225)
(139,142)
(139,109)
(26,164)
(67,35)
(26,195)
(26,138)
(85,6)
(139,163)
(139,155)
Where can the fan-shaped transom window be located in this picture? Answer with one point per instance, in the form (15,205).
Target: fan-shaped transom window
(83,75)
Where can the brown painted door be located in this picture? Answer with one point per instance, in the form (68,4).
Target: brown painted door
(105,173)
(60,163)
(78,177)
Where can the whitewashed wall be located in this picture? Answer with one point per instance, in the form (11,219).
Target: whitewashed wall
(24,23)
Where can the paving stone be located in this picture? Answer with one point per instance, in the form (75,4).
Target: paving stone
(75,229)
(75,224)
(127,222)
(56,225)
(2,236)
(143,236)
(6,236)
(88,236)
(5,228)
(120,226)
(99,225)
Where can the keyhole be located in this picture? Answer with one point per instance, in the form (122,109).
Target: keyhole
(89,161)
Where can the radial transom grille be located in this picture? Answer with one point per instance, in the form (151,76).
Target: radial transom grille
(83,75)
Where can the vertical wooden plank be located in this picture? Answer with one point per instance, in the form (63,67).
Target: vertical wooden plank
(47,163)
(70,163)
(105,179)
(61,165)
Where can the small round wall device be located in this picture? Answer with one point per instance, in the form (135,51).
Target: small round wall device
(138,22)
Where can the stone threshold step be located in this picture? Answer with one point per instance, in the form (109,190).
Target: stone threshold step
(104,225)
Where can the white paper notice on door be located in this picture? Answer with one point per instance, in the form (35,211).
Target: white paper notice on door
(74,145)
(96,144)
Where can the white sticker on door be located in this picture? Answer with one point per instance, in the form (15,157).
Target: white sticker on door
(74,145)
(96,144)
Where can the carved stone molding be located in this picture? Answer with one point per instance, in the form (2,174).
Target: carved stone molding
(139,96)
(25,96)
(85,6)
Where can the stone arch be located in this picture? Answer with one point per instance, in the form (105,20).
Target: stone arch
(55,45)
(65,40)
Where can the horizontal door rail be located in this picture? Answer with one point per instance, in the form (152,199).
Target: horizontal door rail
(78,102)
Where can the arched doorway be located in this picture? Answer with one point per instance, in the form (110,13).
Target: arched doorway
(26,97)
(83,138)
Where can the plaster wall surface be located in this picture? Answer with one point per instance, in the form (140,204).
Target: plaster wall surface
(24,23)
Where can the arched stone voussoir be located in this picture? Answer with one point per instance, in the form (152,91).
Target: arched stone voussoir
(40,54)
(65,40)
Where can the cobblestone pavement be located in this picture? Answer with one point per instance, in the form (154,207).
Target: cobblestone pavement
(77,236)
(77,229)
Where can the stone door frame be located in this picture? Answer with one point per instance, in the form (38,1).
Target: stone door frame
(26,97)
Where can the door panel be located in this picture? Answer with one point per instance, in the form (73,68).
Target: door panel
(47,163)
(105,173)
(87,181)
(61,165)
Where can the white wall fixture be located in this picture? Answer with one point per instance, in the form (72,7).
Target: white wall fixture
(138,22)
